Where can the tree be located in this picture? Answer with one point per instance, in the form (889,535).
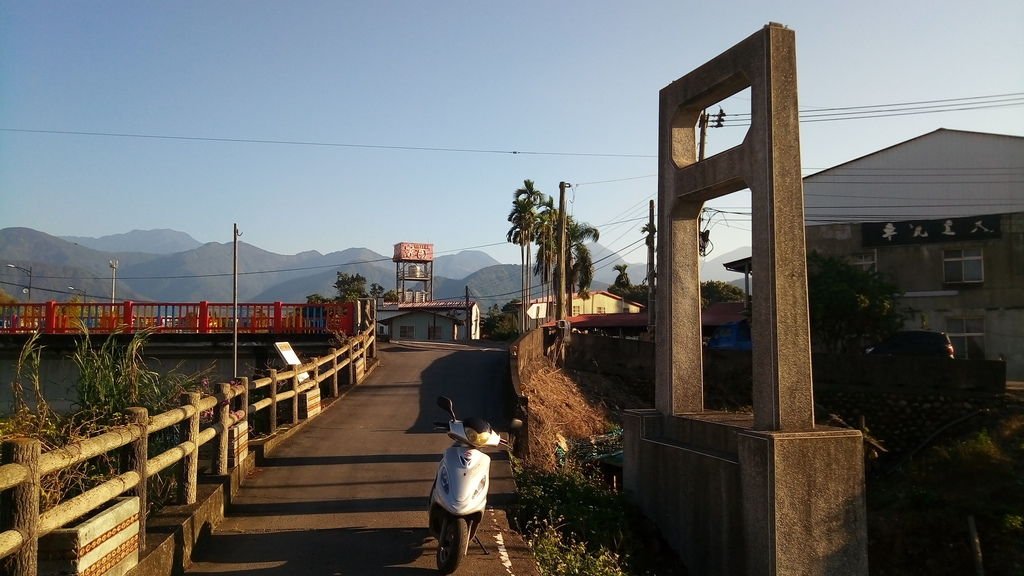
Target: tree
(522,217)
(849,306)
(6,298)
(350,287)
(390,296)
(580,268)
(317,298)
(545,236)
(634,293)
(534,198)
(376,290)
(500,323)
(622,279)
(712,291)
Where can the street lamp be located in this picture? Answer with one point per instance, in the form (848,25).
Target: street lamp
(113,279)
(26,271)
(85,295)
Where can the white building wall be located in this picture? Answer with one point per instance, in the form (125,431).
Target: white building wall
(942,174)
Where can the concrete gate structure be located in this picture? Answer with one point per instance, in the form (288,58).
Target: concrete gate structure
(768,493)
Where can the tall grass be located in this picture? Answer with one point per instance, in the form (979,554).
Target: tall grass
(112,378)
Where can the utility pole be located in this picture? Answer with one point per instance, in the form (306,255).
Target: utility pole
(560,275)
(113,280)
(651,275)
(234,302)
(703,133)
(469,318)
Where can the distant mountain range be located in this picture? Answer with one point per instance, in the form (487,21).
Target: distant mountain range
(171,266)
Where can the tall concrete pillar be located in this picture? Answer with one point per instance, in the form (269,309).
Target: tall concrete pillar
(790,494)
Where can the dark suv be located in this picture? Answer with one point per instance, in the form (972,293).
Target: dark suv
(914,343)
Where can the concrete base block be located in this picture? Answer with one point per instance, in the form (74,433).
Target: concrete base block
(105,544)
(238,443)
(309,403)
(804,509)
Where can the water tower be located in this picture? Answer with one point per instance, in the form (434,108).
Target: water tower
(414,263)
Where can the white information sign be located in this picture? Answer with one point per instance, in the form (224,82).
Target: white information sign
(284,350)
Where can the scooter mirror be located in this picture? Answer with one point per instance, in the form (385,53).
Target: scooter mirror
(446,404)
(515,424)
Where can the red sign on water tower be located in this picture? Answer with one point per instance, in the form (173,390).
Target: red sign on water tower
(413,252)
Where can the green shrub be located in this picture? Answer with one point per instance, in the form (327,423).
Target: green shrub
(578,525)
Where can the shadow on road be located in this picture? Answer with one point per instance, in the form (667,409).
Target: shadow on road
(401,504)
(312,552)
(353,459)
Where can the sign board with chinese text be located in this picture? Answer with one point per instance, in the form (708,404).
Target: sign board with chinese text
(284,350)
(413,251)
(906,232)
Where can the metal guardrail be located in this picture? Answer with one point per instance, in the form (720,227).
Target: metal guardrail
(177,317)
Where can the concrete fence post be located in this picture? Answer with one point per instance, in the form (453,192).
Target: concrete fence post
(272,418)
(295,397)
(316,372)
(245,398)
(224,418)
(138,457)
(351,363)
(19,507)
(189,432)
(334,375)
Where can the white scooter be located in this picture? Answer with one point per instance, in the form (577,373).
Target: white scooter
(459,494)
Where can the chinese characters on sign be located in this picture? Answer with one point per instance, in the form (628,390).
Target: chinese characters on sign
(895,233)
(413,251)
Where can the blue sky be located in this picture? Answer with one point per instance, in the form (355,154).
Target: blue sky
(579,79)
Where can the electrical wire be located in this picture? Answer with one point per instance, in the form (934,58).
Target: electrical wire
(816,115)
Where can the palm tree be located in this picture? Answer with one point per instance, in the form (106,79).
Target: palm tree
(580,268)
(521,218)
(545,236)
(534,199)
(622,280)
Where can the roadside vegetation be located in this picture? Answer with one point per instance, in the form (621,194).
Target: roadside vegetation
(569,506)
(113,376)
(578,522)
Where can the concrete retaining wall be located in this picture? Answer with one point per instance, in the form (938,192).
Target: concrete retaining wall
(902,400)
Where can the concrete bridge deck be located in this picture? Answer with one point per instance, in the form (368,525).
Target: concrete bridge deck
(347,494)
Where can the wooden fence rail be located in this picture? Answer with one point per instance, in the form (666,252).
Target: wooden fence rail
(23,464)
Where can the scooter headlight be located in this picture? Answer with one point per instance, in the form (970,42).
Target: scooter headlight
(477,438)
(445,484)
(477,431)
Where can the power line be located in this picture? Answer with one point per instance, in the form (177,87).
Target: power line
(323,144)
(817,115)
(948,101)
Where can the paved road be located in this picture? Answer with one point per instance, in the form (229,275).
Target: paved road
(347,494)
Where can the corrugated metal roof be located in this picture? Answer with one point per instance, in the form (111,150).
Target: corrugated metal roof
(436,305)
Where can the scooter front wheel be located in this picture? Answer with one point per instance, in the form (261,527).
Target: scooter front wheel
(452,543)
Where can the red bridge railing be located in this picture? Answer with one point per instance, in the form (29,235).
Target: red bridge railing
(183,317)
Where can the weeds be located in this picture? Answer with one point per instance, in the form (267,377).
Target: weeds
(578,525)
(112,378)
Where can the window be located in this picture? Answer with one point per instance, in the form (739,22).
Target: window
(406,331)
(601,310)
(864,260)
(963,266)
(575,310)
(433,332)
(967,336)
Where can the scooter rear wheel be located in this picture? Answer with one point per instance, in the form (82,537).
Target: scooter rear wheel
(452,544)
